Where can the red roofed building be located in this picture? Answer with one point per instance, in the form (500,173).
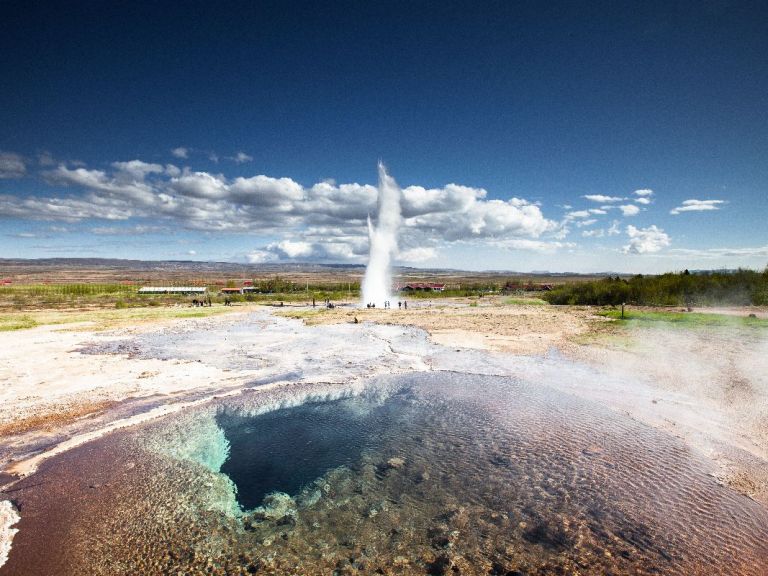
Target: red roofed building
(421,287)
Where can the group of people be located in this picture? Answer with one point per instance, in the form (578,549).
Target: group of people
(203,302)
(388,304)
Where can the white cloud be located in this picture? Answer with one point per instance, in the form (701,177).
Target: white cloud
(614,230)
(417,255)
(694,205)
(461,212)
(629,210)
(326,221)
(127,230)
(645,240)
(578,214)
(598,233)
(712,253)
(137,169)
(291,249)
(180,152)
(172,170)
(643,200)
(645,192)
(602,199)
(261,257)
(64,209)
(584,223)
(541,246)
(280,193)
(242,157)
(117,188)
(200,185)
(598,211)
(192,252)
(12,166)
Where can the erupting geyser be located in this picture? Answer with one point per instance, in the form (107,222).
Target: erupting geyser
(377,282)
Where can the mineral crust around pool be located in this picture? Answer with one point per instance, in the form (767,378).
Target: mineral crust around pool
(451,473)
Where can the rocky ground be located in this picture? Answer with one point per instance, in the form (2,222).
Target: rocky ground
(63,386)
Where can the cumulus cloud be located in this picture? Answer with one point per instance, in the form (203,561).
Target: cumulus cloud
(280,193)
(644,201)
(584,223)
(645,192)
(629,210)
(291,249)
(172,170)
(137,169)
(200,185)
(261,257)
(613,230)
(180,152)
(645,240)
(584,215)
(12,166)
(694,205)
(602,199)
(486,219)
(117,187)
(242,157)
(64,209)
(417,255)
(325,221)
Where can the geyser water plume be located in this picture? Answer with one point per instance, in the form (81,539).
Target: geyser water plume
(377,282)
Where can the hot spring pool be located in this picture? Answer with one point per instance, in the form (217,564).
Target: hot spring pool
(426,473)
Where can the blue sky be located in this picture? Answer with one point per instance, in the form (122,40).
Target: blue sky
(251,132)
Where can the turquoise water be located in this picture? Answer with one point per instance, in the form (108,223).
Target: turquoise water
(420,473)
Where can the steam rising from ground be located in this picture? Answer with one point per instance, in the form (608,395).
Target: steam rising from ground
(383,241)
(8,517)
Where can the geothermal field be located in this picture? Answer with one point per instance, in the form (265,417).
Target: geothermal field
(496,439)
(384,435)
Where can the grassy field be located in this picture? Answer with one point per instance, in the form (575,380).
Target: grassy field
(690,319)
(102,319)
(525,302)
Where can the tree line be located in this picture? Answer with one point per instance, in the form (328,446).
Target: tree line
(737,288)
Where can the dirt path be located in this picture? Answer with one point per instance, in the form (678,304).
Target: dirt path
(513,329)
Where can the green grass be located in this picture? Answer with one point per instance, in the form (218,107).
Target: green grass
(10,322)
(103,319)
(525,301)
(692,319)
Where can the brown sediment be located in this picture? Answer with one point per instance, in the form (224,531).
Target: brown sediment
(710,375)
(58,417)
(700,375)
(446,491)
